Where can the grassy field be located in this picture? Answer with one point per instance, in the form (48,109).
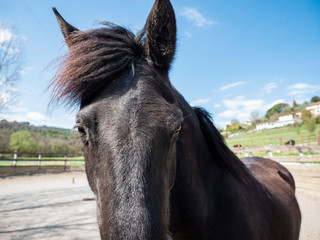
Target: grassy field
(277,136)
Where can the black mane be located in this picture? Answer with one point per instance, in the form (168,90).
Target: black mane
(219,150)
(95,58)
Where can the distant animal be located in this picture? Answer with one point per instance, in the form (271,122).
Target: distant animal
(290,142)
(159,168)
(237,145)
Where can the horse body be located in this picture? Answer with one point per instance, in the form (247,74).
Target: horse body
(212,199)
(158,167)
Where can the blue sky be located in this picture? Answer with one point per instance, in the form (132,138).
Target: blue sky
(233,57)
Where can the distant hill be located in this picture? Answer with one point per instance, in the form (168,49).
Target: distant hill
(49,140)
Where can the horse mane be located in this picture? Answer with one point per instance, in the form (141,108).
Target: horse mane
(95,58)
(219,150)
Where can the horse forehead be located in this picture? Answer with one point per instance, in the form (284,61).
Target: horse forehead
(130,97)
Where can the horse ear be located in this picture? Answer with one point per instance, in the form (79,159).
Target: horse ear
(160,41)
(65,27)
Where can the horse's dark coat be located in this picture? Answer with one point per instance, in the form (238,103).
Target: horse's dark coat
(158,167)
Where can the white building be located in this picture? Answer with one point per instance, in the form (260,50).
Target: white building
(282,122)
(314,108)
(285,118)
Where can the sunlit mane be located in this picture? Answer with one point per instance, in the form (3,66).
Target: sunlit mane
(95,58)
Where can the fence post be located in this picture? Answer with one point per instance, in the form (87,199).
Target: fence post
(251,142)
(301,142)
(39,160)
(318,138)
(65,162)
(263,142)
(15,159)
(280,140)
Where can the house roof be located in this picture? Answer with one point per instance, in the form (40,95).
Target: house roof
(313,104)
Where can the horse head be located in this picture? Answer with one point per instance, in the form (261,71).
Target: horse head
(129,120)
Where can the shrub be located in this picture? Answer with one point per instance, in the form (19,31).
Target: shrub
(310,124)
(22,141)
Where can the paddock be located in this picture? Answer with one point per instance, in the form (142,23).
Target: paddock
(60,206)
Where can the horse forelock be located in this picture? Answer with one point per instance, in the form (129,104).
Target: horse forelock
(95,58)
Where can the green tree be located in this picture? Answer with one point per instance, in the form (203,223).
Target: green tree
(305,114)
(278,108)
(294,104)
(310,124)
(254,117)
(315,99)
(235,121)
(308,121)
(234,127)
(22,141)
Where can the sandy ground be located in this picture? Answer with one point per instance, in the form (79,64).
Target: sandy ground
(51,206)
(47,206)
(307,178)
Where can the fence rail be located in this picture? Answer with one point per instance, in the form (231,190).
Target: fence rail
(24,159)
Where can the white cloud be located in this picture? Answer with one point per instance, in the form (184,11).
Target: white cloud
(13,117)
(235,114)
(302,88)
(5,35)
(200,102)
(241,108)
(5,97)
(189,35)
(36,116)
(279,79)
(23,115)
(196,17)
(221,124)
(217,105)
(231,85)
(270,86)
(7,87)
(27,70)
(241,102)
(270,105)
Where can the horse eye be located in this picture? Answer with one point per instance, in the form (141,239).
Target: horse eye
(82,131)
(178,129)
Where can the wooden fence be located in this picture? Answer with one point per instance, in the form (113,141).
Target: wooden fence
(33,159)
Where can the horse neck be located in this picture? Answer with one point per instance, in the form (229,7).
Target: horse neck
(207,175)
(202,151)
(189,197)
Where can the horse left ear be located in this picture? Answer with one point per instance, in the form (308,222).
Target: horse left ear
(161,30)
(65,27)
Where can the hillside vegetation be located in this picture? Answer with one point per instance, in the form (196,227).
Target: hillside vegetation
(50,141)
(277,136)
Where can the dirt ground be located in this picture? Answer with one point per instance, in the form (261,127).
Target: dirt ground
(51,206)
(47,206)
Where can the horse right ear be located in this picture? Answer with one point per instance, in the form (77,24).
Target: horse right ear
(65,27)
(160,29)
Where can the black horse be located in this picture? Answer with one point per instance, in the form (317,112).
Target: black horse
(291,142)
(158,167)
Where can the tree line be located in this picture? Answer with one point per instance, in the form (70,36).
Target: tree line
(275,112)
(49,141)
